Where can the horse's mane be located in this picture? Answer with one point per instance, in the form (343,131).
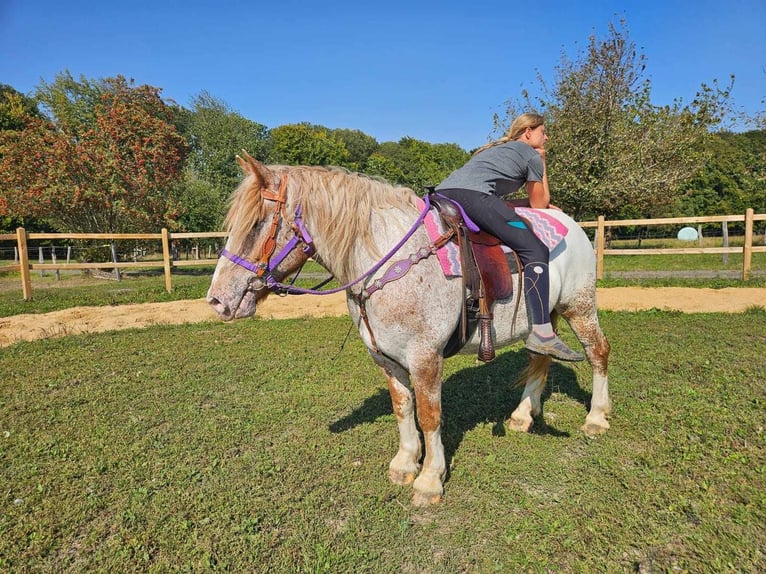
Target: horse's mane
(337,207)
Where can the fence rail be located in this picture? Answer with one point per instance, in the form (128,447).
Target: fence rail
(22,239)
(747,249)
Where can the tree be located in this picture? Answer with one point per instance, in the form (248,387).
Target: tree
(215,135)
(417,164)
(306,144)
(15,109)
(104,160)
(611,151)
(385,167)
(733,178)
(360,147)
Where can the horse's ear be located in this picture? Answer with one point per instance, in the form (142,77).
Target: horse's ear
(251,166)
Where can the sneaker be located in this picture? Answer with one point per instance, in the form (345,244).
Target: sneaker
(553,347)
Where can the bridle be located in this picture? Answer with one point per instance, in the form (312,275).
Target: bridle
(264,269)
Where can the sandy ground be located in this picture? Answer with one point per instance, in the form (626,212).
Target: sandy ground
(96,319)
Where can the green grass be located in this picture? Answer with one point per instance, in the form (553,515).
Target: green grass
(681,271)
(262,446)
(681,262)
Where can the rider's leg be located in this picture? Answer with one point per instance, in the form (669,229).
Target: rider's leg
(493,215)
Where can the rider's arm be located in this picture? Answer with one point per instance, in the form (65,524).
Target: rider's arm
(538,191)
(539,196)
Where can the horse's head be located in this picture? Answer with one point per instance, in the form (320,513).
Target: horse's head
(267,241)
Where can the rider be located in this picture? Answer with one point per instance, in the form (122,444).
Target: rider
(500,168)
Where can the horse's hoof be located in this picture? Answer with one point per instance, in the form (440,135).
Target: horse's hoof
(520,425)
(594,429)
(422,499)
(401,478)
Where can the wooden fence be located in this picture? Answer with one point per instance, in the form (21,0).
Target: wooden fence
(22,238)
(747,248)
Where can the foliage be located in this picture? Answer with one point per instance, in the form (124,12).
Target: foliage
(129,452)
(77,166)
(203,203)
(360,147)
(385,167)
(307,144)
(215,135)
(104,161)
(15,109)
(612,152)
(415,163)
(733,178)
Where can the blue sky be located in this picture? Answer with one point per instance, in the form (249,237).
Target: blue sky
(435,71)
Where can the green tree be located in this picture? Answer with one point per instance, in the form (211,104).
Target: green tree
(215,135)
(733,177)
(360,147)
(385,167)
(611,151)
(417,164)
(204,206)
(105,168)
(15,109)
(306,144)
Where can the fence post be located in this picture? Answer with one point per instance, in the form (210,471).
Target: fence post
(747,249)
(41,259)
(53,258)
(166,259)
(26,281)
(600,248)
(113,250)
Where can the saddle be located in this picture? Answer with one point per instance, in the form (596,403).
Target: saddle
(487,271)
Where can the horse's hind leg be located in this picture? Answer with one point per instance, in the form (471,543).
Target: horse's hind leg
(533,378)
(584,323)
(406,464)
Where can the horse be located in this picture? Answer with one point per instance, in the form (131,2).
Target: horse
(351,224)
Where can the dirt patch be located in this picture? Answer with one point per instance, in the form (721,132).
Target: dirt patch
(97,319)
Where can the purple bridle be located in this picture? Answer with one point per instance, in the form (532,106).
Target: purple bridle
(265,267)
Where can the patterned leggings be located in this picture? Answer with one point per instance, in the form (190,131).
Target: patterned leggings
(494,216)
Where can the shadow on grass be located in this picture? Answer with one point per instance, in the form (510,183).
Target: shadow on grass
(483,394)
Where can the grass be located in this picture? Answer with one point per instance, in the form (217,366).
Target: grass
(262,446)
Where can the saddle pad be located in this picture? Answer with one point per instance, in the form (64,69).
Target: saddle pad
(448,256)
(547,228)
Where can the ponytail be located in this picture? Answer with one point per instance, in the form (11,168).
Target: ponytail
(518,127)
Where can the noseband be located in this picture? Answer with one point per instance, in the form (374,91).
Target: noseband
(266,265)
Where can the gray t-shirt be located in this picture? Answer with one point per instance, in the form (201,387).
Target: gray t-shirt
(501,169)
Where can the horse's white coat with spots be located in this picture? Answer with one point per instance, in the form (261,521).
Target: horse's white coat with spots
(354,221)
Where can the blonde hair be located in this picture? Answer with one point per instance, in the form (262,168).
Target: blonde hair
(518,127)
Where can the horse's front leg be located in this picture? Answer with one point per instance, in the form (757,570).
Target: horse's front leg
(406,464)
(426,378)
